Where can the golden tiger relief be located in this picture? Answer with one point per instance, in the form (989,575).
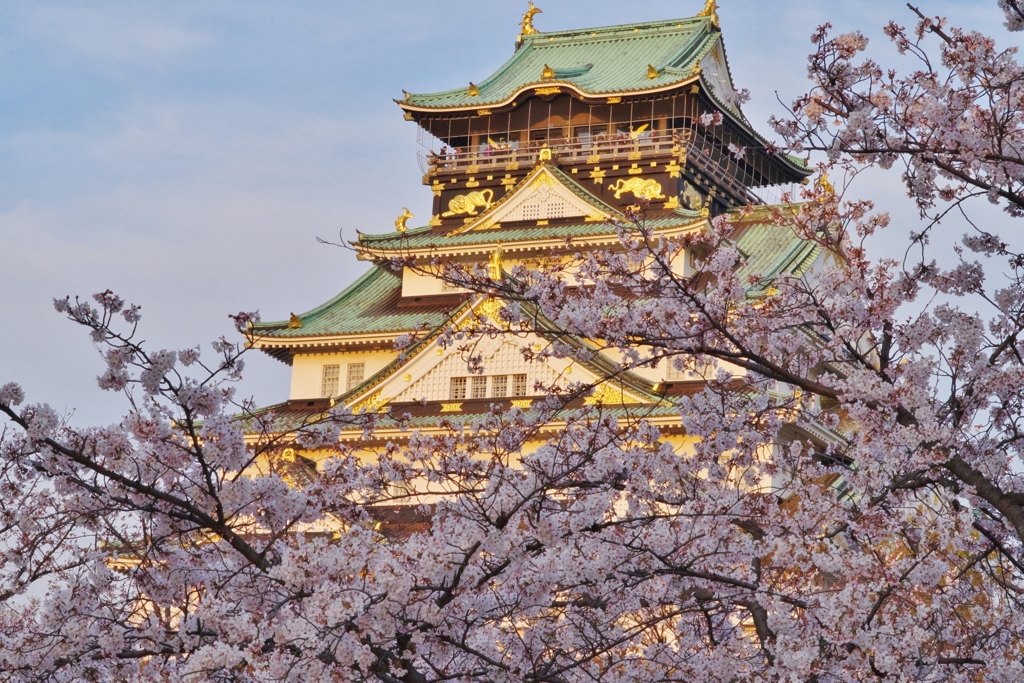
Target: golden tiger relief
(642,188)
(468,203)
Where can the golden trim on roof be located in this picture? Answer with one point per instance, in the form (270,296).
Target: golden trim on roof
(564,86)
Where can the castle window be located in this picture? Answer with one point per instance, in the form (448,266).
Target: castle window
(458,389)
(519,385)
(499,386)
(672,373)
(355,375)
(329,380)
(478,387)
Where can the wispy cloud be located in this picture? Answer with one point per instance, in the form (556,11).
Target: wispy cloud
(125,33)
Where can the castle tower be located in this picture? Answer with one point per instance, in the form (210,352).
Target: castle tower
(555,146)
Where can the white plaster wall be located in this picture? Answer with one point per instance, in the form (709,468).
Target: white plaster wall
(416,283)
(307,369)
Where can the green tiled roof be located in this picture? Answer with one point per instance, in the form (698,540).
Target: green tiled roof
(368,306)
(597,61)
(425,238)
(772,250)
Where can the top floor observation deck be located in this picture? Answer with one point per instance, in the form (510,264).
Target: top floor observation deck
(585,148)
(712,156)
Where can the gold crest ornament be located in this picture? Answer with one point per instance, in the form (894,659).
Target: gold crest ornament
(527,28)
(467,203)
(294,322)
(473,90)
(400,222)
(652,73)
(710,10)
(548,73)
(642,188)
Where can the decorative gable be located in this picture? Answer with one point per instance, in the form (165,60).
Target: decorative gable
(437,374)
(502,363)
(541,196)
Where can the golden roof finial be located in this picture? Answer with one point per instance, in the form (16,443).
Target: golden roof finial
(400,222)
(548,73)
(294,322)
(710,10)
(528,29)
(651,71)
(473,90)
(494,263)
(545,153)
(826,187)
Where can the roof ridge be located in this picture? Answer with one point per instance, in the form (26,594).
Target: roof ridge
(614,28)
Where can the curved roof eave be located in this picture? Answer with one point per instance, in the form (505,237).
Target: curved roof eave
(742,122)
(583,93)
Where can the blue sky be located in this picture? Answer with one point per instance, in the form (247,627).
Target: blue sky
(187,155)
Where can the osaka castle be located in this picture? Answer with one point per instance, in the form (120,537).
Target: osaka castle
(528,165)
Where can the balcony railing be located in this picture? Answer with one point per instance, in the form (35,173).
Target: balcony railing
(596,149)
(713,161)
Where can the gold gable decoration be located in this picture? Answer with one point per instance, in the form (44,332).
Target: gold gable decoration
(642,188)
(489,308)
(375,403)
(605,395)
(466,204)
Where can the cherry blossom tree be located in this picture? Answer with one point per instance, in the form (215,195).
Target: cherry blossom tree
(851,506)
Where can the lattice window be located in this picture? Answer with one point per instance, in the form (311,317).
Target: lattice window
(458,389)
(542,206)
(478,387)
(519,385)
(354,376)
(506,361)
(329,380)
(499,386)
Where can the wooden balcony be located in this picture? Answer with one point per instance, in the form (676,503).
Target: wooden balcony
(594,150)
(706,153)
